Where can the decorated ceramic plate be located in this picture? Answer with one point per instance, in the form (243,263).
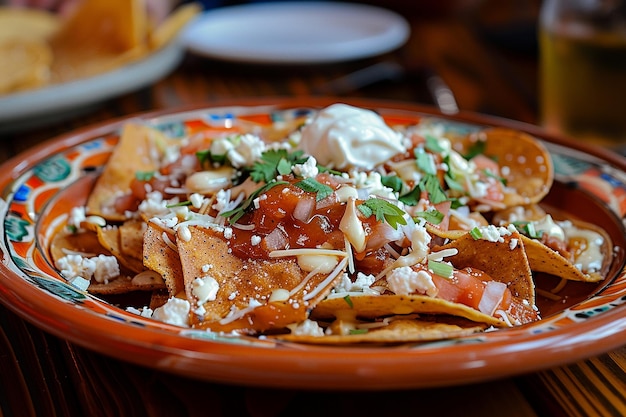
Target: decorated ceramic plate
(40,187)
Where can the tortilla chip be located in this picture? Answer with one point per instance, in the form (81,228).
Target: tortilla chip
(529,170)
(109,238)
(505,261)
(99,35)
(27,23)
(398,330)
(131,238)
(376,306)
(160,257)
(171,26)
(25,64)
(85,243)
(242,282)
(545,259)
(135,152)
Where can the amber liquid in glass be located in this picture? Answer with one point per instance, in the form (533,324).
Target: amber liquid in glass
(583,85)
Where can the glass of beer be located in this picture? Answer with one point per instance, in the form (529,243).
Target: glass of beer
(583,69)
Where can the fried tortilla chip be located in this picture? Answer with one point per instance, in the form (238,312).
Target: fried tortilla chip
(162,258)
(397,330)
(376,306)
(137,151)
(171,26)
(526,165)
(99,35)
(109,238)
(131,239)
(244,298)
(504,261)
(25,64)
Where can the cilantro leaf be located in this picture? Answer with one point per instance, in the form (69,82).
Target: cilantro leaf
(425,161)
(238,212)
(476,149)
(275,162)
(206,158)
(430,184)
(392,181)
(432,216)
(144,175)
(311,185)
(412,197)
(432,144)
(383,210)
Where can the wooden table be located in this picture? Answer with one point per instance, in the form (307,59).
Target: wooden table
(490,72)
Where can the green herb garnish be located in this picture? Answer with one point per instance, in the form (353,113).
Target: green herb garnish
(441,269)
(207,159)
(425,161)
(432,144)
(392,181)
(477,148)
(181,204)
(430,184)
(358,331)
(311,185)
(237,213)
(275,162)
(383,210)
(144,175)
(348,301)
(476,233)
(432,216)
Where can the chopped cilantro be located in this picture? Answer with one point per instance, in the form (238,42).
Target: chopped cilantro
(430,184)
(432,216)
(383,210)
(207,159)
(311,185)
(392,181)
(477,148)
(452,183)
(433,144)
(144,175)
(239,211)
(412,197)
(275,162)
(358,331)
(425,161)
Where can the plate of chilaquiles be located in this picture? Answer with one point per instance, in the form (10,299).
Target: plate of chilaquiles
(319,244)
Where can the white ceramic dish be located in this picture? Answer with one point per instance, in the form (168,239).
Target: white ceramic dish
(296,32)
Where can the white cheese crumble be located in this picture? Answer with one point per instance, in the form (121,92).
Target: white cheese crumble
(205,289)
(307,170)
(307,328)
(175,311)
(405,280)
(102,268)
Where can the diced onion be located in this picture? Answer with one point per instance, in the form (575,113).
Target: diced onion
(492,296)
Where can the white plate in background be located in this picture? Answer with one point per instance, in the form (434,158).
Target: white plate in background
(53,103)
(296,32)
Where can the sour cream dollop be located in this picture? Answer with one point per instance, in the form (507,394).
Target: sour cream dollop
(343,136)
